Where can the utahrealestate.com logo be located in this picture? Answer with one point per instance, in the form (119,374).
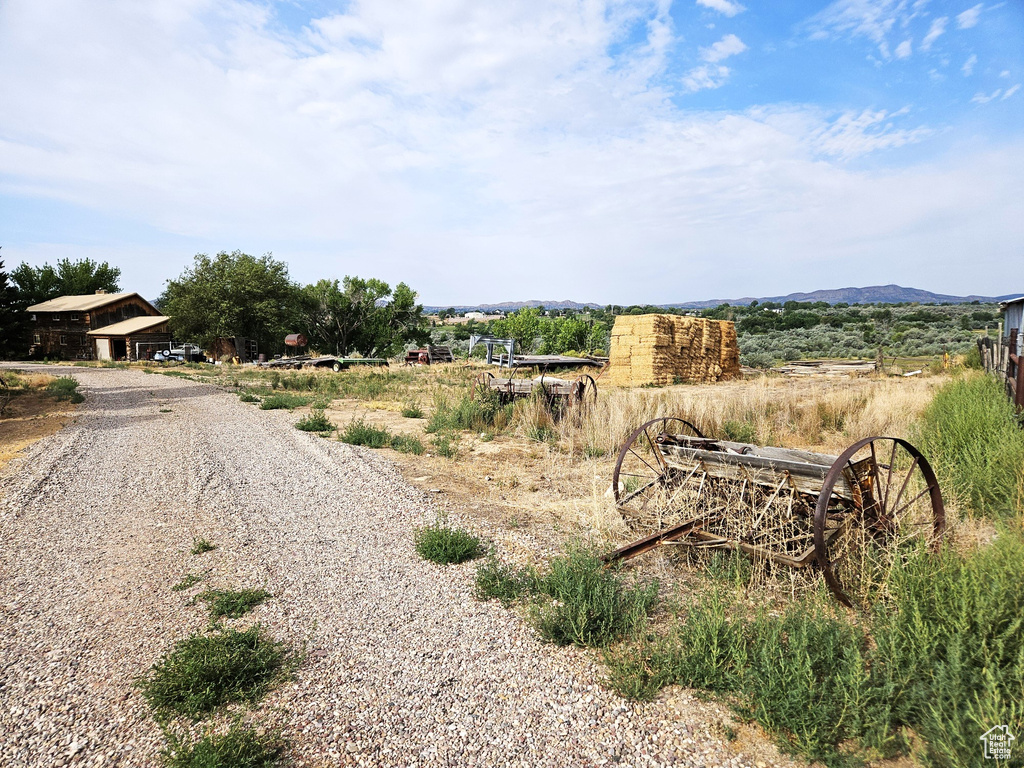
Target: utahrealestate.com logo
(997,743)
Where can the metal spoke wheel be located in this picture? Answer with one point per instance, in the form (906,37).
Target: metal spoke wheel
(644,485)
(480,384)
(586,390)
(879,502)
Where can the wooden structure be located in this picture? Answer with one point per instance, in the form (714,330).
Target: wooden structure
(849,515)
(430,355)
(101,326)
(1002,356)
(560,395)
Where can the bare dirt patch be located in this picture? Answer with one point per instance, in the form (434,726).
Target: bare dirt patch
(30,415)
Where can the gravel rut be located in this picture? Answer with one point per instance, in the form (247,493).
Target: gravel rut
(403,666)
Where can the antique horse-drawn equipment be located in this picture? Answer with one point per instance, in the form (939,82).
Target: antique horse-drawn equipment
(850,515)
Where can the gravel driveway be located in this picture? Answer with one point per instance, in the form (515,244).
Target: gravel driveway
(403,666)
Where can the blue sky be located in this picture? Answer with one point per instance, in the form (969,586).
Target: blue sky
(618,151)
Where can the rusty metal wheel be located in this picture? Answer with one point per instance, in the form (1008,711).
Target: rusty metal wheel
(642,480)
(879,502)
(480,384)
(586,390)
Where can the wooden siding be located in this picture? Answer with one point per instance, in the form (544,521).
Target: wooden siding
(51,327)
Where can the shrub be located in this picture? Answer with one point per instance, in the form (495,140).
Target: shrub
(248,397)
(412,411)
(442,543)
(970,436)
(203,672)
(358,432)
(316,421)
(740,431)
(469,413)
(446,445)
(65,388)
(576,601)
(407,444)
(589,605)
(944,660)
(496,581)
(239,747)
(284,400)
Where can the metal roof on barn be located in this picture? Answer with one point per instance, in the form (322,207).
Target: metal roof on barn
(83,303)
(128,327)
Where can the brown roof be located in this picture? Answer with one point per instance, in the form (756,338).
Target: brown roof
(128,327)
(81,303)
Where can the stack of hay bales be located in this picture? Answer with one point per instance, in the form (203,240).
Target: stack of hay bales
(666,349)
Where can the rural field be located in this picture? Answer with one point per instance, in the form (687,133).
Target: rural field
(185,523)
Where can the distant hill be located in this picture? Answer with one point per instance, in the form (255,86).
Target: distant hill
(874,294)
(512,306)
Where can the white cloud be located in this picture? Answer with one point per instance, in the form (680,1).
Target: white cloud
(936,30)
(968,18)
(903,50)
(853,135)
(985,98)
(968,67)
(728,7)
(1010,91)
(728,46)
(705,77)
(873,19)
(411,142)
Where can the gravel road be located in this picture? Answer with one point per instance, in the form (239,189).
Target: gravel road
(403,666)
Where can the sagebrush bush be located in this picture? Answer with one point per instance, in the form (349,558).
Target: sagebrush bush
(407,444)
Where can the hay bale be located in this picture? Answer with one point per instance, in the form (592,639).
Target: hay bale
(662,349)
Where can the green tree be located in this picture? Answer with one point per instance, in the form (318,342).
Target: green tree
(363,316)
(523,326)
(233,294)
(68,278)
(13,319)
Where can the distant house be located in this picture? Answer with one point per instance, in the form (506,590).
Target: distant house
(99,326)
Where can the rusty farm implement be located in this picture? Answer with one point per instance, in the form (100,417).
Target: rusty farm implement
(850,515)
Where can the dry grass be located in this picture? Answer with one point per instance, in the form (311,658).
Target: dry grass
(821,415)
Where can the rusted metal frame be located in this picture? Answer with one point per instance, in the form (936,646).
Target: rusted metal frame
(648,543)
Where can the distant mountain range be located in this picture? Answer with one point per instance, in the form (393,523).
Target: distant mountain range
(874,294)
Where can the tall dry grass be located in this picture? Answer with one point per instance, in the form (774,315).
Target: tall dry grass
(810,414)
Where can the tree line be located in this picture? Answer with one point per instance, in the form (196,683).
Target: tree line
(235,294)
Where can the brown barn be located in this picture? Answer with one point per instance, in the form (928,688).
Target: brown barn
(99,326)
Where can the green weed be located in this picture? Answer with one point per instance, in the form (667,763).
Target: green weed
(407,444)
(441,543)
(446,445)
(238,747)
(187,582)
(65,388)
(412,411)
(203,672)
(248,397)
(201,546)
(232,603)
(284,400)
(316,421)
(970,436)
(358,432)
(575,601)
